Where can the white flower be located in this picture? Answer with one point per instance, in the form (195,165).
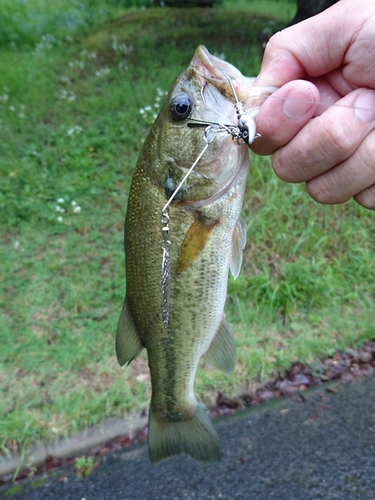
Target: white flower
(121,47)
(77,64)
(60,200)
(103,72)
(59,219)
(12,108)
(66,80)
(76,129)
(65,94)
(73,203)
(77,209)
(122,66)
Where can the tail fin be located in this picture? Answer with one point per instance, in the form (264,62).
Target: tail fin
(195,436)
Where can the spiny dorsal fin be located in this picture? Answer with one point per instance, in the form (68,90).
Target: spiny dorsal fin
(128,343)
(194,242)
(238,244)
(222,352)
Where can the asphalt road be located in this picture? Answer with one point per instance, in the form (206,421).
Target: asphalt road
(319,447)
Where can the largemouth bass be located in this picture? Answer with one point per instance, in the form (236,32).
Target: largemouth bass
(207,236)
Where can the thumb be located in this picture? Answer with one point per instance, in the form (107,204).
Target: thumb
(283,115)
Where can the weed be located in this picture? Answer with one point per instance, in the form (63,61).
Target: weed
(84,466)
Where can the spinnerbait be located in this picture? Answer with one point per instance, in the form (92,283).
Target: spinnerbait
(246,123)
(245,130)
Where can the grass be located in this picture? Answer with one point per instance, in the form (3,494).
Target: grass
(70,133)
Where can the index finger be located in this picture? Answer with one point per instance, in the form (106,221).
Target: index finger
(311,48)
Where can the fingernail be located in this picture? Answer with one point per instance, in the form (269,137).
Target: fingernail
(297,103)
(364,106)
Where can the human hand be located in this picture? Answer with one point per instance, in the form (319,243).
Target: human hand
(328,58)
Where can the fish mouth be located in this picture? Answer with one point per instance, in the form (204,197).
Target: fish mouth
(215,71)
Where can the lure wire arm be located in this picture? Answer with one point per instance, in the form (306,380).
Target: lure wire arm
(246,123)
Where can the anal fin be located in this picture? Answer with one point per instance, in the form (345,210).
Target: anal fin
(222,351)
(128,343)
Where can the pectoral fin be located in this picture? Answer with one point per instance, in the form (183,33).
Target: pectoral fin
(194,242)
(238,244)
(222,352)
(128,343)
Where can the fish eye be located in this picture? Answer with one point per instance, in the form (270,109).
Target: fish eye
(180,107)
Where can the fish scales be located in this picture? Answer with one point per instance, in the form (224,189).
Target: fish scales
(202,299)
(207,236)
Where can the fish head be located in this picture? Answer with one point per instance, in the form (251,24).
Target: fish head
(202,93)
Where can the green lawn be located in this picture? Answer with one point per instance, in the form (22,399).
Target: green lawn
(72,84)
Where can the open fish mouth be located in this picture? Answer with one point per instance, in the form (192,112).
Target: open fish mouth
(213,70)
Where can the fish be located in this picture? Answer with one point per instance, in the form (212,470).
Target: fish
(207,237)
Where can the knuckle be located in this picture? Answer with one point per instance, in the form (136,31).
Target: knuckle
(273,43)
(282,168)
(339,139)
(319,191)
(326,189)
(366,198)
(367,152)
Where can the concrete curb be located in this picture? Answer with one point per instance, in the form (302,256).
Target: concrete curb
(79,443)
